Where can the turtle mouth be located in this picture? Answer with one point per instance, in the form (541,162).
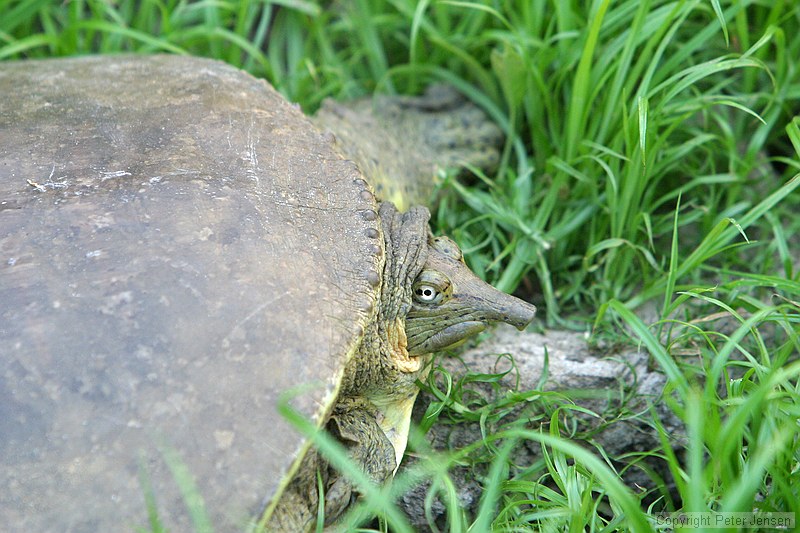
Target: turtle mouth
(449,337)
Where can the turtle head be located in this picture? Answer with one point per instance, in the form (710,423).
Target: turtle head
(450,303)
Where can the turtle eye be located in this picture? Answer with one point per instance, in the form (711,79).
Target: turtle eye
(427,294)
(431,287)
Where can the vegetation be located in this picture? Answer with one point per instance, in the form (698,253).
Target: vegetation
(650,164)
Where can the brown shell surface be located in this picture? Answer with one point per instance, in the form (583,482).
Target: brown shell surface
(181,253)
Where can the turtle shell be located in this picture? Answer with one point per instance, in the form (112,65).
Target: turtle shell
(180,252)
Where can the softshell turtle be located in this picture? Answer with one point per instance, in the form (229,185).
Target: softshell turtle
(182,248)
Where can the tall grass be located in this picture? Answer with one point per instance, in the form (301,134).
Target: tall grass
(650,155)
(612,109)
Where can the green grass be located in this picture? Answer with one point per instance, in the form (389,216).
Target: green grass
(650,160)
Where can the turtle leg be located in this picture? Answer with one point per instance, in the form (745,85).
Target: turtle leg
(296,509)
(354,424)
(459,132)
(400,143)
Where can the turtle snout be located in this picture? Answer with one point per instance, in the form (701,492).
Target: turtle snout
(523,315)
(513,311)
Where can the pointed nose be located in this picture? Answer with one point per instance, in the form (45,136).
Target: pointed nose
(511,310)
(488,305)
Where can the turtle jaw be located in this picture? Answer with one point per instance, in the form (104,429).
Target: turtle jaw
(449,337)
(452,304)
(435,328)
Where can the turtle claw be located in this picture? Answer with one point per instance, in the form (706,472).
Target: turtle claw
(458,132)
(400,143)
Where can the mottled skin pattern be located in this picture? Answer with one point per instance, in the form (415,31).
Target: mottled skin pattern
(429,300)
(400,143)
(180,248)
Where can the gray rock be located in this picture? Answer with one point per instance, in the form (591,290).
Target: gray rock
(567,370)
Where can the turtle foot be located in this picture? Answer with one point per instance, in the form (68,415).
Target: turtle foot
(400,143)
(459,133)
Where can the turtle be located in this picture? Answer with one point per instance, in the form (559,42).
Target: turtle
(183,253)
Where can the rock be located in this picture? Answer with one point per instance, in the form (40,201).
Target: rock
(567,372)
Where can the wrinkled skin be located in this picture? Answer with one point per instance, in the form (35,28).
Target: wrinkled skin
(429,301)
(401,143)
(175,234)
